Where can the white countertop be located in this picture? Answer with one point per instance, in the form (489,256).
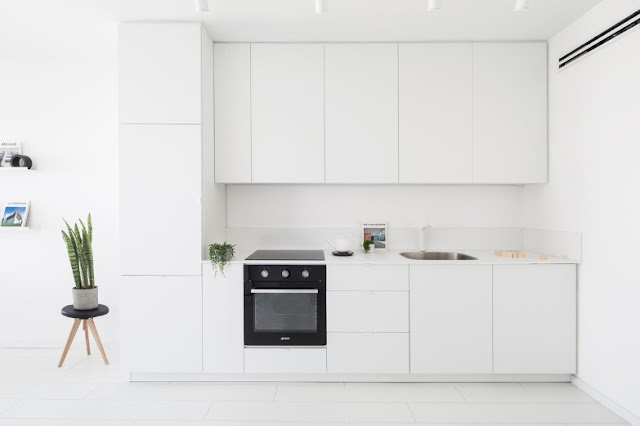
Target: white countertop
(484,257)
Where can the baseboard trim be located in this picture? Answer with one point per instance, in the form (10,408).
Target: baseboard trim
(604,400)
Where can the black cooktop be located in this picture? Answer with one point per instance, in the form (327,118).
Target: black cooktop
(286,255)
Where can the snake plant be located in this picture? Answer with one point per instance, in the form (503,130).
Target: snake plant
(78,240)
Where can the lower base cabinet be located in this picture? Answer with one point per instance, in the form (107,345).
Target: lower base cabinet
(368,353)
(298,360)
(161,324)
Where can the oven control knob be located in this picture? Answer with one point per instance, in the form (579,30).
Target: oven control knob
(264,273)
(285,273)
(305,274)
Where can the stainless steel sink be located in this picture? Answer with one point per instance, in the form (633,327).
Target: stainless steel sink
(436,255)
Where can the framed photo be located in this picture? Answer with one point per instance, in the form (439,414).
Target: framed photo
(7,151)
(14,214)
(376,232)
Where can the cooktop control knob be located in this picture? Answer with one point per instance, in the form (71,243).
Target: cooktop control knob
(285,273)
(305,274)
(264,273)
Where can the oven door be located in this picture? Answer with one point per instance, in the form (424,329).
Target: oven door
(286,315)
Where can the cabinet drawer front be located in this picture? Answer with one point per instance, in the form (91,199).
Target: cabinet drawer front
(285,360)
(368,277)
(368,353)
(368,311)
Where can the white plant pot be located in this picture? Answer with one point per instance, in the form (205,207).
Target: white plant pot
(85,299)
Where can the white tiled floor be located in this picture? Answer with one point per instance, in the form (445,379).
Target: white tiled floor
(33,392)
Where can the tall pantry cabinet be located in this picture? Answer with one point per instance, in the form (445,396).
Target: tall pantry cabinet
(166,187)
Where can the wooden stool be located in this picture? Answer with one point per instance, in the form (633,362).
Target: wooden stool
(86,317)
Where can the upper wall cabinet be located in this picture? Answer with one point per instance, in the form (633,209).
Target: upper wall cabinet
(436,140)
(232,78)
(287,113)
(510,112)
(160,73)
(361,113)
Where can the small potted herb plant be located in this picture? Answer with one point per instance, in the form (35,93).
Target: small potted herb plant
(78,240)
(368,246)
(221,255)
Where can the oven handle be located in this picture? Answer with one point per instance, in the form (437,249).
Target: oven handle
(285,290)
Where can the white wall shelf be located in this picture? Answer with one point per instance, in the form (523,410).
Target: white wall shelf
(15,169)
(15,228)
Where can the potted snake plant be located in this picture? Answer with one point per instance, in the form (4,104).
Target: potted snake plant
(78,240)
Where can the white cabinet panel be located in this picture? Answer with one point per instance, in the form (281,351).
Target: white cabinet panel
(160,199)
(285,360)
(368,311)
(361,113)
(232,76)
(287,104)
(161,320)
(451,319)
(534,319)
(159,73)
(368,277)
(510,112)
(436,141)
(368,353)
(223,320)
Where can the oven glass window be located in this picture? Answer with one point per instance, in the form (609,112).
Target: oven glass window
(286,312)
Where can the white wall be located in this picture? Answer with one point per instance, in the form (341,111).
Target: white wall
(594,175)
(57,96)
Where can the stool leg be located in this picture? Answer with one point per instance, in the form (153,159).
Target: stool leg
(96,336)
(74,330)
(86,336)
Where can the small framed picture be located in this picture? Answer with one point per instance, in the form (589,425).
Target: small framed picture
(14,214)
(376,232)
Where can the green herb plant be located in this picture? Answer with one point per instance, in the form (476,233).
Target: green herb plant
(78,240)
(221,255)
(366,245)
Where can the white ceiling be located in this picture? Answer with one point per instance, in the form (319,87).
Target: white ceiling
(362,20)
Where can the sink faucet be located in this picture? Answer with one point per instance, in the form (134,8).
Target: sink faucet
(421,237)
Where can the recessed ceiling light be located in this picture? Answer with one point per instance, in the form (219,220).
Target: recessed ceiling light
(433,5)
(522,5)
(202,6)
(322,6)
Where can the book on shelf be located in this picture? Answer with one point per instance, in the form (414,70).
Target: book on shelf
(14,214)
(7,151)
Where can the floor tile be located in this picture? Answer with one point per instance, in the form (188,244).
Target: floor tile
(50,422)
(5,404)
(309,411)
(227,423)
(107,410)
(370,393)
(44,390)
(513,413)
(524,394)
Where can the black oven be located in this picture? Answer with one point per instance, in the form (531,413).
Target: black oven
(285,305)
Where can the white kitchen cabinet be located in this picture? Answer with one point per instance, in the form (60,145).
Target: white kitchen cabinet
(161,324)
(534,319)
(436,113)
(510,112)
(287,112)
(160,73)
(451,319)
(368,311)
(368,276)
(223,319)
(361,95)
(283,360)
(232,77)
(368,353)
(160,215)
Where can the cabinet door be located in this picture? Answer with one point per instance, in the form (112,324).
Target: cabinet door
(534,319)
(369,276)
(159,72)
(510,112)
(287,104)
(361,113)
(223,319)
(368,311)
(436,141)
(232,77)
(160,216)
(161,321)
(273,360)
(451,319)
(368,353)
